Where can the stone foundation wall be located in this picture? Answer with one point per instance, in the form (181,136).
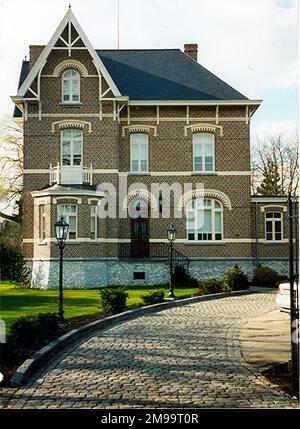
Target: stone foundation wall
(88,274)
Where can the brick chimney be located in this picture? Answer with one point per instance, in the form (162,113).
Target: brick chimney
(34,52)
(191,49)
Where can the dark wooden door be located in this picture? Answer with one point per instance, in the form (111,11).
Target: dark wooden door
(140,237)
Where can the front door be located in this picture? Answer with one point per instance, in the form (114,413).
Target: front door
(140,237)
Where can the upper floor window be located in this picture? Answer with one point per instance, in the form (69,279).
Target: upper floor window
(69,212)
(139,153)
(71,87)
(203,153)
(71,147)
(273,221)
(204,220)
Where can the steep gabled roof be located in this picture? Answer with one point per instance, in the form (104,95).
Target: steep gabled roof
(164,74)
(67,22)
(23,74)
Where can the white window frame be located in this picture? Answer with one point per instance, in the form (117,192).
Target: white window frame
(70,92)
(146,143)
(66,217)
(72,140)
(273,220)
(212,143)
(42,222)
(93,215)
(213,209)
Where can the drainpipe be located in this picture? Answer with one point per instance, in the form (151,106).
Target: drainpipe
(256,233)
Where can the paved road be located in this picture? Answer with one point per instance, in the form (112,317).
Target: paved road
(183,357)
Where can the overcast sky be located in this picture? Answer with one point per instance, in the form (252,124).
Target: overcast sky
(252,45)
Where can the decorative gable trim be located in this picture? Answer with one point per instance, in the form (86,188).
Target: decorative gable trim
(68,19)
(71,123)
(139,129)
(208,128)
(70,64)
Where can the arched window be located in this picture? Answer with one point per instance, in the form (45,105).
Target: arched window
(203,153)
(204,220)
(71,87)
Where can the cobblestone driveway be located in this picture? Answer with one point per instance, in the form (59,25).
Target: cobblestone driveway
(183,357)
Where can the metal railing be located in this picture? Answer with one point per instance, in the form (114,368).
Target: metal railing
(157,252)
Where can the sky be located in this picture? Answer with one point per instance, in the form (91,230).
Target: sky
(252,45)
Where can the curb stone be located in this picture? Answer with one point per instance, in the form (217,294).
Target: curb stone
(39,358)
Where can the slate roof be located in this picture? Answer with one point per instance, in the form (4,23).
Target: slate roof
(23,75)
(164,74)
(158,74)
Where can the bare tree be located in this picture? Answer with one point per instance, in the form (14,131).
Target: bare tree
(280,155)
(11,170)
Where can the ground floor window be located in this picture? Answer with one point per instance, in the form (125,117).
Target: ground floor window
(69,212)
(93,216)
(204,220)
(273,229)
(42,224)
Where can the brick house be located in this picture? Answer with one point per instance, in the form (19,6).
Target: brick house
(110,130)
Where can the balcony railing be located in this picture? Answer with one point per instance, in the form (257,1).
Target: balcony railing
(71,175)
(157,252)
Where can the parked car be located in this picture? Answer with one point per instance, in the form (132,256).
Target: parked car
(283,296)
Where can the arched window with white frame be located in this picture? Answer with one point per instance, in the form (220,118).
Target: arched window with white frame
(273,226)
(204,220)
(71,87)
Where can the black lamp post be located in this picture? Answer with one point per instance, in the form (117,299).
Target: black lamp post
(171,237)
(61,228)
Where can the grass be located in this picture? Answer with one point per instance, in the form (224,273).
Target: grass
(16,302)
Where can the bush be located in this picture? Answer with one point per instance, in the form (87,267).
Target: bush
(182,279)
(29,330)
(113,300)
(266,277)
(210,286)
(153,297)
(235,279)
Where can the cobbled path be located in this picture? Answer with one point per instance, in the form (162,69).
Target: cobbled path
(182,357)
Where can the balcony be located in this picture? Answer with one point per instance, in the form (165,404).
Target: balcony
(71,175)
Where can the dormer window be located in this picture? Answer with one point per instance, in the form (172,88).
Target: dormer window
(71,87)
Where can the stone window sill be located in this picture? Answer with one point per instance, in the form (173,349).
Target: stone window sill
(42,243)
(204,243)
(272,243)
(204,173)
(70,104)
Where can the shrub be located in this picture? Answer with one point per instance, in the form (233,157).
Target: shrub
(210,286)
(265,276)
(113,300)
(29,330)
(154,297)
(182,279)
(235,279)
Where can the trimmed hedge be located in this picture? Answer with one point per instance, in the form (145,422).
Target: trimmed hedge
(235,279)
(266,277)
(208,286)
(113,300)
(154,297)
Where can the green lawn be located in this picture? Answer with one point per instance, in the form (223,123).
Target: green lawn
(16,302)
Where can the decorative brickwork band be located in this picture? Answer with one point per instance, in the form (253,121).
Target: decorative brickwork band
(205,193)
(209,128)
(70,64)
(140,193)
(139,129)
(71,123)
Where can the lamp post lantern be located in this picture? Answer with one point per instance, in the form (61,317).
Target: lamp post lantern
(171,237)
(61,228)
